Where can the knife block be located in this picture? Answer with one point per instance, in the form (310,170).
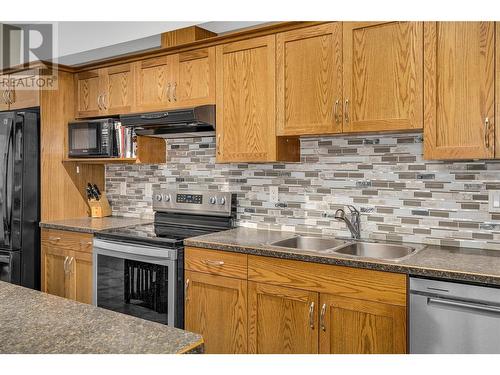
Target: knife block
(100,208)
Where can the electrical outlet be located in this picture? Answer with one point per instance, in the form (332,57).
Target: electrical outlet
(148,190)
(123,188)
(273,194)
(494,200)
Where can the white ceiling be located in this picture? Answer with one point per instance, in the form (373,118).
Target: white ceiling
(82,42)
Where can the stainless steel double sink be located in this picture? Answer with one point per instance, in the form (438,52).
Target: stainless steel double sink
(356,248)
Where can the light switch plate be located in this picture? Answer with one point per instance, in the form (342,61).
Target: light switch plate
(494,200)
(123,188)
(273,194)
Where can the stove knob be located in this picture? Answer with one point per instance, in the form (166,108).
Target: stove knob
(158,197)
(213,200)
(222,201)
(166,197)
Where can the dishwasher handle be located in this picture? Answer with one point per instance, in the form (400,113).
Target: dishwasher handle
(463,305)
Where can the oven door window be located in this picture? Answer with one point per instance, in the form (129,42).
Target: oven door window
(85,138)
(133,288)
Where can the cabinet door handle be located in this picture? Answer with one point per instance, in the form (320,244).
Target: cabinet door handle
(168,92)
(322,317)
(11,96)
(209,262)
(487,132)
(4,97)
(218,144)
(99,101)
(54,238)
(104,101)
(174,90)
(66,264)
(336,111)
(70,262)
(346,109)
(186,287)
(311,315)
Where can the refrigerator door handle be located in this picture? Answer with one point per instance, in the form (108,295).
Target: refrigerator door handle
(7,224)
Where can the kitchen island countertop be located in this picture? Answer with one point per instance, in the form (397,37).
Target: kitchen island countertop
(38,323)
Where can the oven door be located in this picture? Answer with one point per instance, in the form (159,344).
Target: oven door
(135,280)
(85,139)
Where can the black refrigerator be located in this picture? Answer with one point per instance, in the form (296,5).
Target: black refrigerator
(20,198)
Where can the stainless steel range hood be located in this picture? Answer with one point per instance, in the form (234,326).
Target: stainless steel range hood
(179,123)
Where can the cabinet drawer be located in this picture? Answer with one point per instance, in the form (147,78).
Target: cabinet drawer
(363,284)
(67,240)
(216,262)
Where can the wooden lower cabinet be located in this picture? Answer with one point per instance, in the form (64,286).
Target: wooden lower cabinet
(216,308)
(351,326)
(67,265)
(292,307)
(282,320)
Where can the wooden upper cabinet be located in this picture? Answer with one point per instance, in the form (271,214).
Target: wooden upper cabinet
(246,111)
(29,95)
(4,100)
(459,90)
(309,80)
(352,326)
(22,94)
(154,87)
(282,320)
(88,99)
(194,81)
(117,84)
(216,308)
(383,79)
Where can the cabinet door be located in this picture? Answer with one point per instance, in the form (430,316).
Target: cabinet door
(216,308)
(55,276)
(29,95)
(88,95)
(80,272)
(352,326)
(383,79)
(194,82)
(281,320)
(154,87)
(246,101)
(4,91)
(459,90)
(118,89)
(309,80)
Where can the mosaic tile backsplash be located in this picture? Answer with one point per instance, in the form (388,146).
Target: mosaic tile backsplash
(402,197)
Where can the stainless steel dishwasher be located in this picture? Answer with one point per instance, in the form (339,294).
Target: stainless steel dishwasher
(450,317)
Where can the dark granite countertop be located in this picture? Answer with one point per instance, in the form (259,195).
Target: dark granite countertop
(461,264)
(39,323)
(93,224)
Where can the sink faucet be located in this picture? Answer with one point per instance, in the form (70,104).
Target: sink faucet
(353,223)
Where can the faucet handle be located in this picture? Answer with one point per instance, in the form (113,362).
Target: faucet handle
(352,209)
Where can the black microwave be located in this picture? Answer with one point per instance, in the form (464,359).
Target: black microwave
(92,139)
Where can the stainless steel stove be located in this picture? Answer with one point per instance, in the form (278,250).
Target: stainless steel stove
(139,270)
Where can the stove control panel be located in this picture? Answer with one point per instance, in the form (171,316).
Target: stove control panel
(206,203)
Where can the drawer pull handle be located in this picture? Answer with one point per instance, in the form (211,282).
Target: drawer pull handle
(213,262)
(322,317)
(54,238)
(311,315)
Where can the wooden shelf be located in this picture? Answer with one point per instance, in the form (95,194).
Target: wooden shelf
(100,160)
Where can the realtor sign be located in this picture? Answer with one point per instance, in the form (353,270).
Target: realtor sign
(22,47)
